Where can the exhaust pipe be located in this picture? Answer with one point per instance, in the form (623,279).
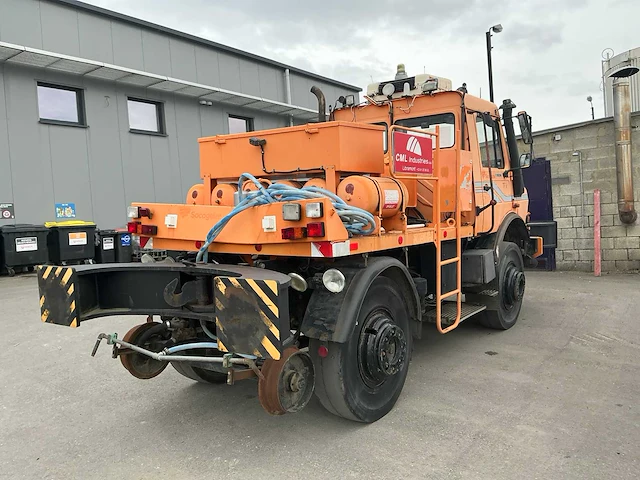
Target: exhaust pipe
(622,125)
(322,104)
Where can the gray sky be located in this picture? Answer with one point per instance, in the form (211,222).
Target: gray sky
(547,59)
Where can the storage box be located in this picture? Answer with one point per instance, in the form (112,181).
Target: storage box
(22,246)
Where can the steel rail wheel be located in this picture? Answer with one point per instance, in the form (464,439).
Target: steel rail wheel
(287,384)
(138,365)
(362,378)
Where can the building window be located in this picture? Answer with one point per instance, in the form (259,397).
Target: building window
(145,116)
(240,124)
(491,150)
(61,105)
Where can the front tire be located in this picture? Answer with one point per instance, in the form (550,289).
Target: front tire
(503,309)
(362,378)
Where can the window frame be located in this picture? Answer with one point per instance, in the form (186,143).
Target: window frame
(386,135)
(80,105)
(160,117)
(497,145)
(249,121)
(455,140)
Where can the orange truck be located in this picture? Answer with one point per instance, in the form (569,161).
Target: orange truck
(312,257)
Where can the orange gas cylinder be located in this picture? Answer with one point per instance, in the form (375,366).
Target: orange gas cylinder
(371,193)
(196,195)
(249,186)
(291,183)
(316,182)
(223,194)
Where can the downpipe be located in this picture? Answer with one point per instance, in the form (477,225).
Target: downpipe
(624,166)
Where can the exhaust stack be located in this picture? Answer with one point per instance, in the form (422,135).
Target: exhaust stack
(322,104)
(622,125)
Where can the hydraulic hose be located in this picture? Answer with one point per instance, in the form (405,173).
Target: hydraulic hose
(356,220)
(191,346)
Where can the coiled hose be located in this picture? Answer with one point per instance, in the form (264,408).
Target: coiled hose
(356,220)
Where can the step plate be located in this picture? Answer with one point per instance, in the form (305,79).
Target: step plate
(449,311)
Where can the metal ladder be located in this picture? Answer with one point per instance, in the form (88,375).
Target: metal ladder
(441,233)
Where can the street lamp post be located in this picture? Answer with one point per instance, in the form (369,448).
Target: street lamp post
(590,100)
(495,29)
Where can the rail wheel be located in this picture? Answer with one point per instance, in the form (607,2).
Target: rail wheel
(362,378)
(138,365)
(200,374)
(503,309)
(287,384)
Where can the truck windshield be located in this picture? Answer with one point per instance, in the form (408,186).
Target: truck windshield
(446,122)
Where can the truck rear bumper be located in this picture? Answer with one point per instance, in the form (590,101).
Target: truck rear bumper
(249,306)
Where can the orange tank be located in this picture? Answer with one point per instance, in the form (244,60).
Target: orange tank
(196,195)
(249,186)
(316,182)
(223,194)
(373,193)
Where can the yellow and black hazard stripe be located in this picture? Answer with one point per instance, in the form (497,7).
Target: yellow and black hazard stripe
(57,286)
(248,316)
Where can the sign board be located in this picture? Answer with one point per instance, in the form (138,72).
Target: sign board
(412,154)
(107,243)
(7,211)
(26,244)
(77,238)
(125,240)
(65,210)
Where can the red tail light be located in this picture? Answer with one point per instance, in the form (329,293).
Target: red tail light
(199,244)
(294,233)
(315,229)
(149,230)
(132,227)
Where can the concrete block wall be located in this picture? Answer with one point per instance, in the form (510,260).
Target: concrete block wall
(573,199)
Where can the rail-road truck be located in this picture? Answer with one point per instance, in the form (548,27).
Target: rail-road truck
(311,257)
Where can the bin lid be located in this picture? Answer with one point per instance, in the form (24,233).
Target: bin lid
(70,223)
(22,227)
(107,232)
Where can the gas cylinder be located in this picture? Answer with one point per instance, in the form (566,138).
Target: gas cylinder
(316,182)
(223,194)
(195,195)
(249,186)
(291,183)
(373,193)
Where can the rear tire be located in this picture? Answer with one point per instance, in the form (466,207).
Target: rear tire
(199,374)
(503,310)
(362,378)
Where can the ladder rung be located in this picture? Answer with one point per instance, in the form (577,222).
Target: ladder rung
(449,261)
(448,294)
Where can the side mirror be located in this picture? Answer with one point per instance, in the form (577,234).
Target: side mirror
(525,160)
(525,127)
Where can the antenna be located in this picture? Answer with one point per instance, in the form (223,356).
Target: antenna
(480,92)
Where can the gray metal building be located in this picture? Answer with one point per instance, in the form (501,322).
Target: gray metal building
(98,109)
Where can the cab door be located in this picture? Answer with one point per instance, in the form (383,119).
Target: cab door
(490,182)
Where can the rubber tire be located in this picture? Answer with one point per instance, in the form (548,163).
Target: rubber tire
(199,374)
(338,382)
(496,316)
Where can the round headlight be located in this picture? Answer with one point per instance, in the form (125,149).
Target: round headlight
(388,89)
(298,282)
(333,280)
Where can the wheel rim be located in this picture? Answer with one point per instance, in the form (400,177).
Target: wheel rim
(513,286)
(138,365)
(382,349)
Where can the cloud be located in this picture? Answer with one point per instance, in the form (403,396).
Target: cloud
(547,57)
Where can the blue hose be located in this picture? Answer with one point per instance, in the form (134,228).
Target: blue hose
(190,346)
(356,220)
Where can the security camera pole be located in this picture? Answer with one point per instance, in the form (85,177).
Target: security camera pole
(495,29)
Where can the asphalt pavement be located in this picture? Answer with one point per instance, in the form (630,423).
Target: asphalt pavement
(555,397)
